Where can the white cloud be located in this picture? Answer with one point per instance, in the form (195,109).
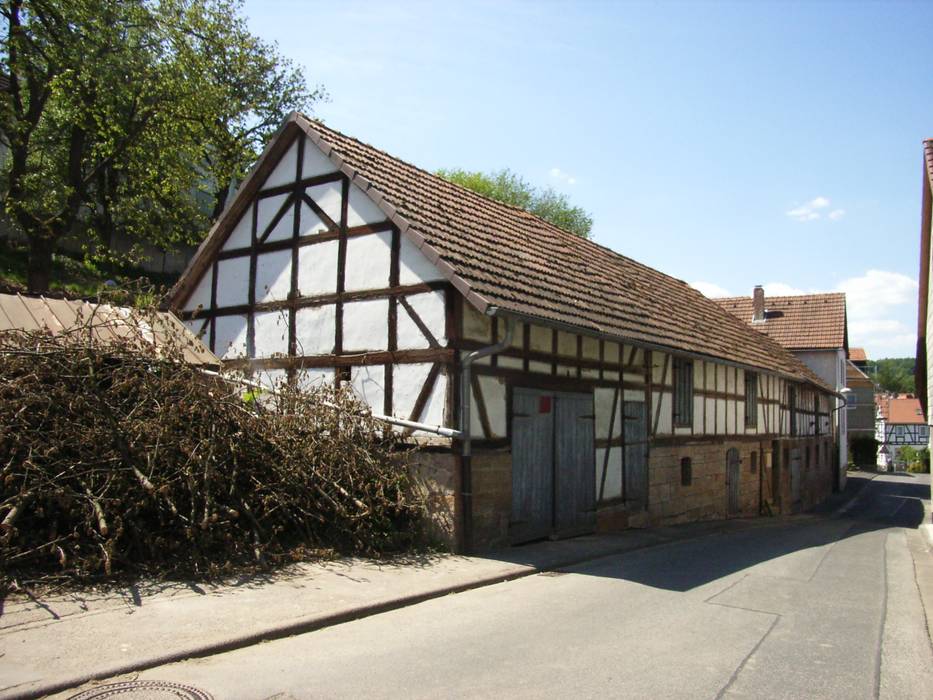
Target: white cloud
(812,210)
(560,175)
(876,293)
(710,290)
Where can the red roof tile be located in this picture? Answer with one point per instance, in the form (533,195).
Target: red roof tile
(858,355)
(805,322)
(499,255)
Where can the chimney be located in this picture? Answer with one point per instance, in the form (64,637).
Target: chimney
(758,303)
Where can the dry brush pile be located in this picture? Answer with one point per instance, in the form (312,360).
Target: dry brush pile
(114,461)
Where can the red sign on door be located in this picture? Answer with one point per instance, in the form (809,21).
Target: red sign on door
(544,404)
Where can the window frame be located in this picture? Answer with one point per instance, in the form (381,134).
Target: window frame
(682,392)
(751,407)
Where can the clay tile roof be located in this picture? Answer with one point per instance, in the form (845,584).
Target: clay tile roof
(104,323)
(504,257)
(902,410)
(858,355)
(805,322)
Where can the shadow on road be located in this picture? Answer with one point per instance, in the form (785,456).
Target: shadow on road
(704,557)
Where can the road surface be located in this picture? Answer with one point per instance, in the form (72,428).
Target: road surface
(826,607)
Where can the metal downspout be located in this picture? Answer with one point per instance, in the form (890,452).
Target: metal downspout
(466,455)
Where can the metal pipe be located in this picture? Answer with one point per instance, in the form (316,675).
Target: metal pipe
(426,427)
(466,444)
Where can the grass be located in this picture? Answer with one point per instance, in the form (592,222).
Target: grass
(74,277)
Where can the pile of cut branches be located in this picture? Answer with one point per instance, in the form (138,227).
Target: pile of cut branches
(116,461)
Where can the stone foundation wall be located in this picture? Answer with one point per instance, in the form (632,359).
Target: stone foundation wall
(492,498)
(437,476)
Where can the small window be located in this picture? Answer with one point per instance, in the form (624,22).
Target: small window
(686,472)
(754,462)
(683,392)
(751,400)
(899,430)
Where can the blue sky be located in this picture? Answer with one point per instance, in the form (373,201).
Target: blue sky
(726,144)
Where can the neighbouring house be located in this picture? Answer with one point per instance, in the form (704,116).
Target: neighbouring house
(900,424)
(923,380)
(815,329)
(583,390)
(103,323)
(860,421)
(859,358)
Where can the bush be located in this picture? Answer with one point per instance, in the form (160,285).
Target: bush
(118,461)
(919,463)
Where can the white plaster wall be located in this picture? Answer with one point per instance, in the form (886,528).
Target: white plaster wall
(493,389)
(369,384)
(407,381)
(271,333)
(698,406)
(431,309)
(510,362)
(720,416)
(314,162)
(317,269)
(664,421)
(273,379)
(361,209)
(542,367)
(709,416)
(242,234)
(273,276)
(611,353)
(590,348)
(476,326)
(369,259)
(602,400)
(613,484)
(566,344)
(199,328)
(414,267)
(315,330)
(328,197)
(366,325)
(233,282)
(539,339)
(284,171)
(307,379)
(266,209)
(309,223)
(566,371)
(201,296)
(230,337)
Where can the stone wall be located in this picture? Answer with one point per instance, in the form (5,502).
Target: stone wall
(436,474)
(492,498)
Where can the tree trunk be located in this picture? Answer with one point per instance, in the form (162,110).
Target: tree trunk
(39,273)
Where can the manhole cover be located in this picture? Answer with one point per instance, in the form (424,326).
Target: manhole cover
(143,690)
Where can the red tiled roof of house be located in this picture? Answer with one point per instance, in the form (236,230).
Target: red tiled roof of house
(853,373)
(502,256)
(858,355)
(901,410)
(804,322)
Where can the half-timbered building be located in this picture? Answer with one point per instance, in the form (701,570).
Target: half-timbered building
(582,389)
(900,423)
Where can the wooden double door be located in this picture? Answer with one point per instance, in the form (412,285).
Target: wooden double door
(553,465)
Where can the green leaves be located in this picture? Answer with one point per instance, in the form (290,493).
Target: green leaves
(509,188)
(133,118)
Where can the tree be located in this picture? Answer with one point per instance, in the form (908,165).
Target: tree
(509,188)
(132,117)
(893,374)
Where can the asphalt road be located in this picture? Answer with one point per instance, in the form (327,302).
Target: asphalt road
(825,608)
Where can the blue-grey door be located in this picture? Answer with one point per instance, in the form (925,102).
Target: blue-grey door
(635,428)
(553,464)
(532,465)
(574,464)
(733,474)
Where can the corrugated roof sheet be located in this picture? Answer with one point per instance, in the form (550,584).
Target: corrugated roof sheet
(503,256)
(103,322)
(804,322)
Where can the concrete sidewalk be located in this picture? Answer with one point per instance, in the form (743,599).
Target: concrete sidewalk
(59,642)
